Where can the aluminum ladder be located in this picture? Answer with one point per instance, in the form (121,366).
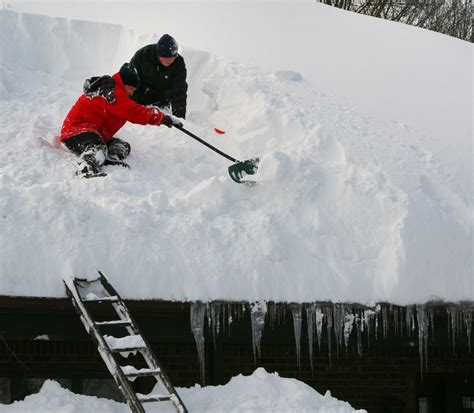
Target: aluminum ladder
(99,292)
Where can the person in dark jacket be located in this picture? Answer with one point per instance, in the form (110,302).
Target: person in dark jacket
(162,71)
(98,114)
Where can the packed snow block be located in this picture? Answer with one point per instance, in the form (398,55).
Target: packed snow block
(59,47)
(200,66)
(274,167)
(239,105)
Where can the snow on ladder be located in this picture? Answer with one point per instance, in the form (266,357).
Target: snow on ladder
(86,293)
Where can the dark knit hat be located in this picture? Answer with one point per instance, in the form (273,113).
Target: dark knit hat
(129,75)
(167,46)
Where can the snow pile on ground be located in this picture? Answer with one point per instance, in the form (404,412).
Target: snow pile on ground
(348,209)
(259,392)
(53,398)
(262,392)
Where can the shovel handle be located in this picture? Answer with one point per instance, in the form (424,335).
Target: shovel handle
(192,135)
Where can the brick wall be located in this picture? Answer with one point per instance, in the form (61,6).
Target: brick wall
(381,379)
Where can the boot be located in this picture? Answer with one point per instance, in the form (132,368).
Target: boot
(112,161)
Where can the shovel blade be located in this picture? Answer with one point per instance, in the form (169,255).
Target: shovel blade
(239,170)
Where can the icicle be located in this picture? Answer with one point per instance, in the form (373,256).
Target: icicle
(217,313)
(339,320)
(410,321)
(214,316)
(238,310)
(297,318)
(431,311)
(385,321)
(467,315)
(257,316)
(273,310)
(223,315)
(423,329)
(229,317)
(329,330)
(401,318)
(282,315)
(319,325)
(377,311)
(310,321)
(209,318)
(394,315)
(348,325)
(369,315)
(278,312)
(359,329)
(453,322)
(198,311)
(407,320)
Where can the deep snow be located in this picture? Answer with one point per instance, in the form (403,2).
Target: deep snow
(390,70)
(349,208)
(259,392)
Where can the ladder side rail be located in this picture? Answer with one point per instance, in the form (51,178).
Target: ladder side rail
(148,355)
(163,379)
(153,362)
(123,314)
(107,285)
(104,350)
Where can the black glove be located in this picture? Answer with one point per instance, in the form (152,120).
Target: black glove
(170,121)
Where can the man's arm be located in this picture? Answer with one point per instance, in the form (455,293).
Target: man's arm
(178,93)
(140,61)
(137,61)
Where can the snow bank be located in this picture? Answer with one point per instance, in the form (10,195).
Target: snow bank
(349,209)
(262,392)
(259,392)
(47,51)
(53,398)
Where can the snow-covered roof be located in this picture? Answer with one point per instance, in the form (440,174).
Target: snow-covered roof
(348,208)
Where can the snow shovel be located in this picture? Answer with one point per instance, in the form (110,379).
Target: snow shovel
(239,169)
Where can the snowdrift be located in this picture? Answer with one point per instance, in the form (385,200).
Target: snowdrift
(258,392)
(349,209)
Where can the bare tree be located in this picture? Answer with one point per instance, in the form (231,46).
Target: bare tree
(451,17)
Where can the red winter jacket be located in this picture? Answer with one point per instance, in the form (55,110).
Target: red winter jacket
(95,114)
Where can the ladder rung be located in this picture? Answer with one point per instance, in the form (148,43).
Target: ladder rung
(153,398)
(127,349)
(143,373)
(109,299)
(114,323)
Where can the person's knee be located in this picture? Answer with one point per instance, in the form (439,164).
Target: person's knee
(82,142)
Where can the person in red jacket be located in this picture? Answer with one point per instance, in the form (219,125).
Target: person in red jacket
(90,126)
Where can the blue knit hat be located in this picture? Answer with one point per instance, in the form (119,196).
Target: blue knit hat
(167,46)
(129,75)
